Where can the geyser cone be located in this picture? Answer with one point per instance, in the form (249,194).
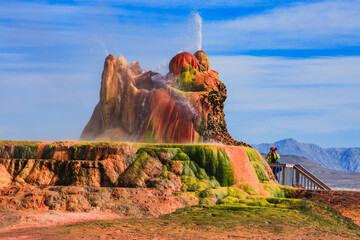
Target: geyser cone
(185,106)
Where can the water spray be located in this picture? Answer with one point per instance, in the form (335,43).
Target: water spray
(198,29)
(96,43)
(161,66)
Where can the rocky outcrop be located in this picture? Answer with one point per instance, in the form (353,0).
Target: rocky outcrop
(185,106)
(125,202)
(129,179)
(160,166)
(67,163)
(167,168)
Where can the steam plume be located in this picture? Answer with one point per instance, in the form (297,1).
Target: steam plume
(195,29)
(198,29)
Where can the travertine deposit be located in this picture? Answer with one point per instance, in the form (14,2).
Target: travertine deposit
(81,176)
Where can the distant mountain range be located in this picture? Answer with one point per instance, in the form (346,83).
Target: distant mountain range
(343,159)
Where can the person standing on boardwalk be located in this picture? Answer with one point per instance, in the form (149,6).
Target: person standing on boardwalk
(273,157)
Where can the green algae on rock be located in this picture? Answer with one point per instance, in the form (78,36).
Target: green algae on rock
(258,164)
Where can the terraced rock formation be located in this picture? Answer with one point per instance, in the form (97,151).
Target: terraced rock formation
(129,179)
(184,106)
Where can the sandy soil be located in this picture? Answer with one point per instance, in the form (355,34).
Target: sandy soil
(139,231)
(12,221)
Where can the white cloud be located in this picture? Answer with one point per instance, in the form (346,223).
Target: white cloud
(315,25)
(275,95)
(64,13)
(304,25)
(185,3)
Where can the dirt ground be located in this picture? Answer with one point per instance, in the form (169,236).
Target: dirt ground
(277,219)
(285,220)
(163,232)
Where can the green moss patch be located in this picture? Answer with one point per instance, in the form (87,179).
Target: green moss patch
(279,191)
(134,175)
(181,156)
(258,164)
(214,160)
(26,151)
(207,172)
(22,149)
(19,143)
(187,81)
(274,215)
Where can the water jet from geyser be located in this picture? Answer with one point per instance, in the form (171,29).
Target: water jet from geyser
(198,29)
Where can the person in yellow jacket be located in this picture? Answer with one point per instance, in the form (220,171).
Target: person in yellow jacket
(273,157)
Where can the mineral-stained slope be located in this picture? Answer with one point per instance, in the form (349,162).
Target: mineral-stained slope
(185,106)
(151,178)
(129,164)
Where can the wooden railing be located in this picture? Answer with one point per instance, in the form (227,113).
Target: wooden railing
(297,176)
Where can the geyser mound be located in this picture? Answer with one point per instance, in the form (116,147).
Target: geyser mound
(184,106)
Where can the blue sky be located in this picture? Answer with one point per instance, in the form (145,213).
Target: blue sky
(291,67)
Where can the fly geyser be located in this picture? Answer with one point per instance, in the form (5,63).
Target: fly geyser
(184,106)
(138,165)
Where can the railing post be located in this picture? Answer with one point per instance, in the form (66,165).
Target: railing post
(297,178)
(284,175)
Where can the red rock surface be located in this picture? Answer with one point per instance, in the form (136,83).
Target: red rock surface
(182,61)
(242,168)
(203,61)
(134,202)
(67,163)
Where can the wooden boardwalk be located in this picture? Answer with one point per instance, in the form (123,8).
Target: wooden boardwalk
(297,176)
